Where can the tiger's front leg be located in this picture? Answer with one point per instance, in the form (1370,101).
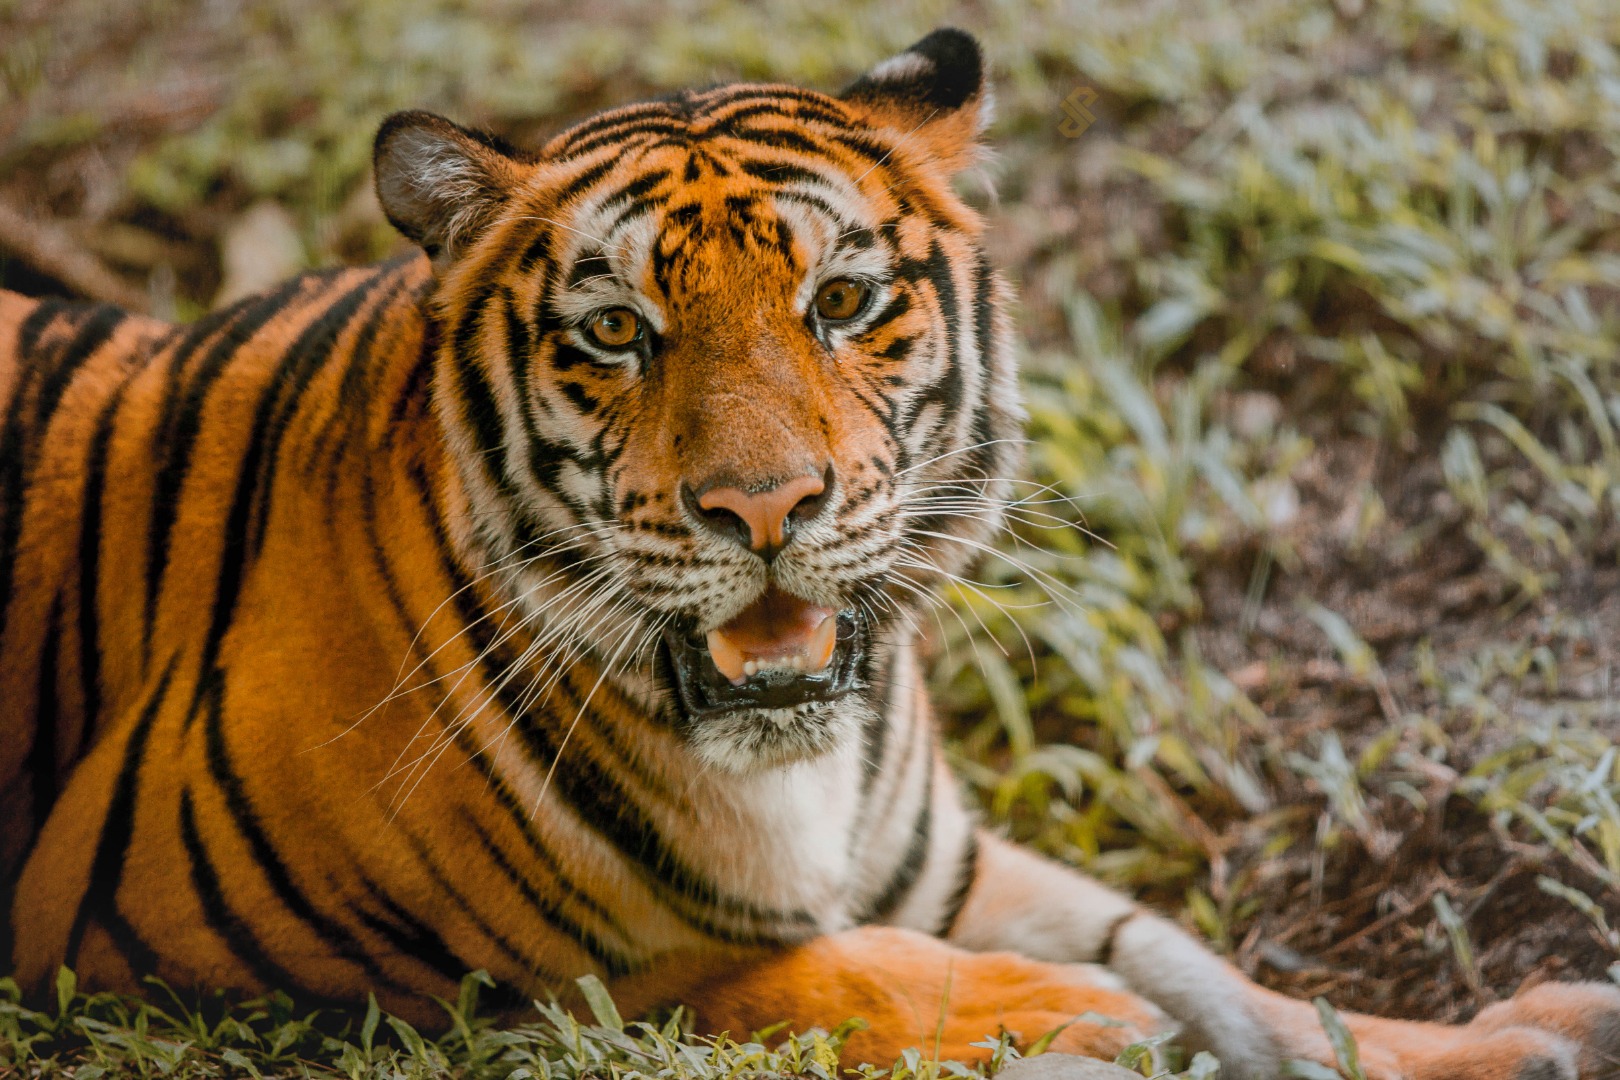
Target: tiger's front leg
(915,990)
(1023,903)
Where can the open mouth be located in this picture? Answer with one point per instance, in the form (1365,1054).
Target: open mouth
(779,652)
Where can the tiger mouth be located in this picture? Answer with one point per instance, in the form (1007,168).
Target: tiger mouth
(778,653)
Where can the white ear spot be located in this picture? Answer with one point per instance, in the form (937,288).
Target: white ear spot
(906,67)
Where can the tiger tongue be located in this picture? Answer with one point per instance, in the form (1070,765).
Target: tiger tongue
(776,631)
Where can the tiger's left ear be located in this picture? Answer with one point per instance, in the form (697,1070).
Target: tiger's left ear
(934,92)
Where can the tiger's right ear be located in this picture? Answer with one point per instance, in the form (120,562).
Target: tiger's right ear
(439,183)
(934,94)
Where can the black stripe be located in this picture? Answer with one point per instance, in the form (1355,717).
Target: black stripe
(265,855)
(22,436)
(966,874)
(984,455)
(864,146)
(175,448)
(100,899)
(316,345)
(816,202)
(95,481)
(529,965)
(1105,955)
(615,118)
(947,389)
(539,250)
(584,180)
(33,327)
(482,412)
(353,394)
(239,937)
(782,172)
(899,304)
(635,189)
(409,935)
(806,104)
(519,359)
(778,139)
(100,325)
(243,533)
(663,127)
(876,729)
(594,793)
(43,766)
(611,960)
(579,397)
(910,868)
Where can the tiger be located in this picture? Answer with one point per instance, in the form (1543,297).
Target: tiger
(543,602)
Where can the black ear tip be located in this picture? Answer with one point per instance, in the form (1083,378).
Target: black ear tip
(951,49)
(959,64)
(942,71)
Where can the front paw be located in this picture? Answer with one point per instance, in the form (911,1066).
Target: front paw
(1555,1031)
(1584,1017)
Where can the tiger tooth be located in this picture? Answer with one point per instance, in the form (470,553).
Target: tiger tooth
(727,657)
(819,650)
(751,668)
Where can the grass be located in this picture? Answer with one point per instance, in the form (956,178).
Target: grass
(1322,339)
(87,1036)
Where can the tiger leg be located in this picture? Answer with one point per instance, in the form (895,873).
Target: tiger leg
(1021,902)
(914,990)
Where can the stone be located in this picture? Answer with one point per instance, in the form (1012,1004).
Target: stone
(1065,1067)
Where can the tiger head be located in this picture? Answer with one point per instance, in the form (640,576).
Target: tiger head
(726,383)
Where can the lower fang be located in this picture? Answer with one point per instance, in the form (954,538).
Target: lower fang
(751,668)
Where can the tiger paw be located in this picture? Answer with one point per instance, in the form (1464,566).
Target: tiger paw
(1555,1031)
(1579,1022)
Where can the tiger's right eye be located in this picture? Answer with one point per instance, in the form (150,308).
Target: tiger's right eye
(616,328)
(841,299)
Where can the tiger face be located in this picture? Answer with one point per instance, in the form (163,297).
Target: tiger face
(724,382)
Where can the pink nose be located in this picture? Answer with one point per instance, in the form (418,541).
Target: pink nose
(765,519)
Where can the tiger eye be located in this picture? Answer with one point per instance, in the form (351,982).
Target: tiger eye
(616,328)
(841,299)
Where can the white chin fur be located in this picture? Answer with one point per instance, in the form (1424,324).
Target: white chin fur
(752,740)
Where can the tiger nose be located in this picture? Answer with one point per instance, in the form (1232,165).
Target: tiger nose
(764,520)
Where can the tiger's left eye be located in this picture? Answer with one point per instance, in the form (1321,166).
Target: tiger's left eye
(840,300)
(616,328)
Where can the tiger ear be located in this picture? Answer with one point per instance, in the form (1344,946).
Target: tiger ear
(439,183)
(934,92)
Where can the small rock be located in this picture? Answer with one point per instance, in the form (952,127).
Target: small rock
(1065,1067)
(1278,500)
(259,249)
(1255,414)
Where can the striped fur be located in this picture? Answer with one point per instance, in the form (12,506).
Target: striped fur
(330,624)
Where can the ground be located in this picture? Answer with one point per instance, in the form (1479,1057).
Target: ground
(1308,630)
